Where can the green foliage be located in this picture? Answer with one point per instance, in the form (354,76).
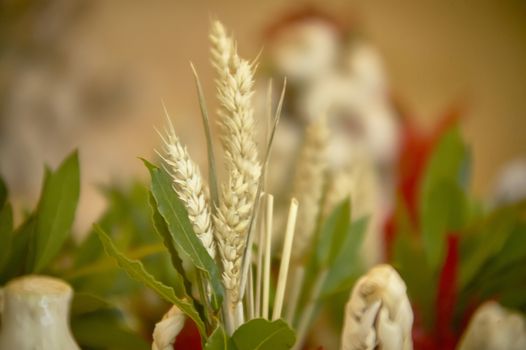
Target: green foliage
(333,232)
(442,201)
(3,193)
(493,259)
(346,266)
(136,270)
(6,233)
(55,212)
(168,241)
(260,334)
(491,251)
(214,192)
(185,240)
(19,251)
(128,221)
(42,244)
(411,262)
(218,340)
(105,329)
(485,241)
(39,239)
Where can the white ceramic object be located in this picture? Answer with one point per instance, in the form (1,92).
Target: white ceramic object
(36,315)
(494,327)
(378,314)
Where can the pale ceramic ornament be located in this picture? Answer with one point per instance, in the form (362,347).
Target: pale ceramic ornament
(378,314)
(494,327)
(510,186)
(35,315)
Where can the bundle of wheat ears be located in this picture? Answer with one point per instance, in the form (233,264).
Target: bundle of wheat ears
(235,223)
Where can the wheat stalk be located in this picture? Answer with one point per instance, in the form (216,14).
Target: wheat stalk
(308,184)
(285,259)
(236,122)
(189,186)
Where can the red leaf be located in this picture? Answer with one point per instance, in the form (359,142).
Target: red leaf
(447,295)
(189,337)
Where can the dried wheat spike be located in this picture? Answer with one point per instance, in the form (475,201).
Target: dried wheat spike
(236,121)
(308,184)
(189,186)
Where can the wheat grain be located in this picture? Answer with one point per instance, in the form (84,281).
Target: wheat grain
(189,186)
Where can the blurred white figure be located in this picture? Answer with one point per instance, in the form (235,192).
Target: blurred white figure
(331,73)
(305,51)
(511,183)
(378,314)
(493,327)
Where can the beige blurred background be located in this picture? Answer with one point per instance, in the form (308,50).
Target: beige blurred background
(435,52)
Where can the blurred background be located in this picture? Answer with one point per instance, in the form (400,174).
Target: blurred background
(93,74)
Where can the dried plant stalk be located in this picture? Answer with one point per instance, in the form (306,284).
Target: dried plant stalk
(285,259)
(236,120)
(189,186)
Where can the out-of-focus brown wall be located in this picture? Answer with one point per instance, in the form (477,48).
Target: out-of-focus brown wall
(435,53)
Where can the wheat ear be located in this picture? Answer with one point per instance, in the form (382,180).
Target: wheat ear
(236,121)
(308,184)
(189,186)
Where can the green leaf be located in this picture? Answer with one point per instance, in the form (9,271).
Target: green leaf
(333,233)
(136,270)
(346,267)
(446,171)
(19,253)
(487,242)
(214,193)
(164,233)
(261,334)
(512,253)
(445,211)
(449,160)
(186,241)
(410,261)
(105,329)
(84,303)
(6,233)
(56,211)
(218,340)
